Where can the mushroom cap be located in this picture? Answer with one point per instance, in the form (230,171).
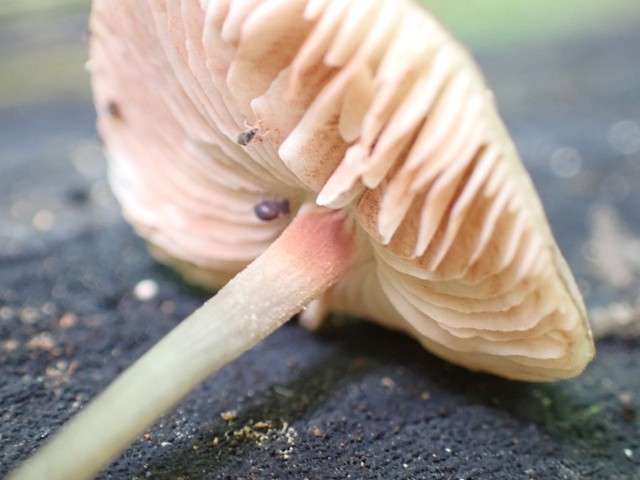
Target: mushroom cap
(365,106)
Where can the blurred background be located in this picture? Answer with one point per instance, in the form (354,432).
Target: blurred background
(566,76)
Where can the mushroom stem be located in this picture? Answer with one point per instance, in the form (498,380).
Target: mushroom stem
(310,256)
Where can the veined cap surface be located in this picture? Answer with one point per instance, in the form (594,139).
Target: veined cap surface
(366,106)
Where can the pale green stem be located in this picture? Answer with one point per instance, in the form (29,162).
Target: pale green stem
(309,257)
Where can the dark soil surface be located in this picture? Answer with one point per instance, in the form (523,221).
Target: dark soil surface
(355,401)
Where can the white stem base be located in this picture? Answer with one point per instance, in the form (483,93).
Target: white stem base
(309,257)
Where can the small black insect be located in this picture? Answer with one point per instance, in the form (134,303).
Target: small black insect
(271,209)
(245,137)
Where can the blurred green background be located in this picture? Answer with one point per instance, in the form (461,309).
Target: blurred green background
(506,23)
(42,50)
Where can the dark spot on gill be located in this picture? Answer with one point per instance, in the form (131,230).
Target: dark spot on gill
(271,209)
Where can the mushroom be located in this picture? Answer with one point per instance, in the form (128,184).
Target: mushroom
(315,156)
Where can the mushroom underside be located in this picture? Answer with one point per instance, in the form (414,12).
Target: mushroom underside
(371,109)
